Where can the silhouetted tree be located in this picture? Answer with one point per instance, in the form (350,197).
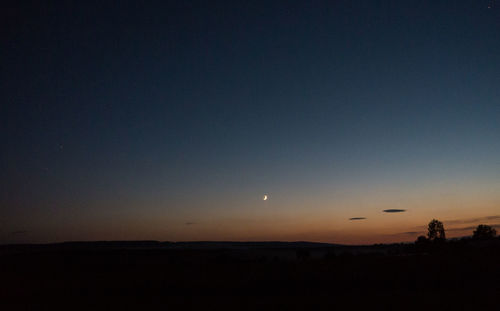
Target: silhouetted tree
(436,231)
(422,243)
(421,240)
(484,232)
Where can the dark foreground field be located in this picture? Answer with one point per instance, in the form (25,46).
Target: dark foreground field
(456,275)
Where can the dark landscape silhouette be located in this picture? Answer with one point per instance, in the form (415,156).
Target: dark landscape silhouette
(448,274)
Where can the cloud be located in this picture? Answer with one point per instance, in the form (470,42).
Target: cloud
(394,210)
(190,223)
(471,220)
(461,228)
(19,232)
(357,218)
(471,228)
(409,233)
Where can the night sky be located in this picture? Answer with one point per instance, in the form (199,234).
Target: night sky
(171,120)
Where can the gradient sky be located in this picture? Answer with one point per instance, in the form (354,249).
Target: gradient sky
(170,120)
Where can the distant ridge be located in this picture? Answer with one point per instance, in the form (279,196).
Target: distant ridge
(252,244)
(170,245)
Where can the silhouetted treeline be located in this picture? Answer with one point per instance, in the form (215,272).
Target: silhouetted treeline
(462,273)
(434,272)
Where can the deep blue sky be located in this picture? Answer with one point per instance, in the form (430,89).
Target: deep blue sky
(128,119)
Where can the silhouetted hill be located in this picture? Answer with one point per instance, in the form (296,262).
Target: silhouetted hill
(457,275)
(166,245)
(247,245)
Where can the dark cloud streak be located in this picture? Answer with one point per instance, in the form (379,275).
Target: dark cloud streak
(411,232)
(471,220)
(394,210)
(472,228)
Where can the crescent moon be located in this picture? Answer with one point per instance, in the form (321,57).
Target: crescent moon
(265,197)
